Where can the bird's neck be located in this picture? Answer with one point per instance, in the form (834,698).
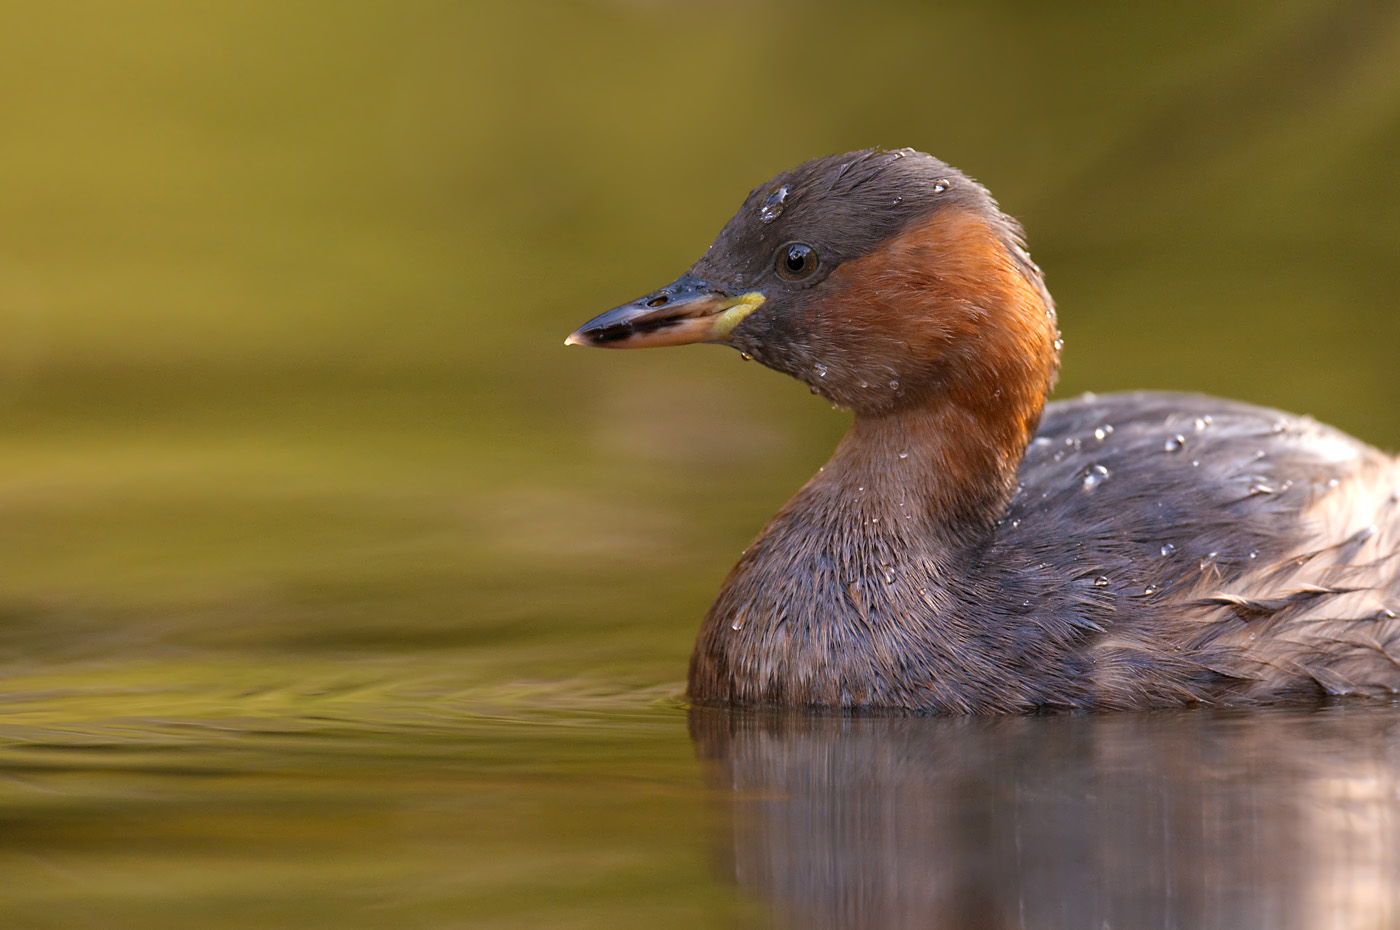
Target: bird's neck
(959,315)
(941,472)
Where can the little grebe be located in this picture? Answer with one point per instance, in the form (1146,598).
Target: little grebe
(962,553)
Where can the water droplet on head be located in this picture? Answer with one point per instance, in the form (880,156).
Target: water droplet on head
(1174,443)
(1150,589)
(1168,549)
(1254,554)
(889,575)
(1094,476)
(1202,422)
(894,385)
(1015,523)
(865,384)
(746,356)
(941,185)
(1260,488)
(1195,463)
(736,624)
(773,204)
(1103,432)
(904,453)
(820,369)
(1278,427)
(1101,581)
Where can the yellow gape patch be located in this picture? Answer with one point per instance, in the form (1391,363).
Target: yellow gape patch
(741,307)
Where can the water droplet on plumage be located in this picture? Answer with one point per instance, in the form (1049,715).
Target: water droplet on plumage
(1094,476)
(1168,549)
(1278,427)
(1103,432)
(1174,443)
(746,356)
(889,575)
(1101,581)
(820,369)
(1260,488)
(940,185)
(1209,560)
(894,385)
(865,384)
(773,204)
(736,624)
(1254,554)
(1150,589)
(904,453)
(1202,422)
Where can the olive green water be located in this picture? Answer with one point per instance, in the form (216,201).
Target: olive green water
(334,591)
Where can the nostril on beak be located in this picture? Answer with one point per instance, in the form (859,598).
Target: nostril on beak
(660,301)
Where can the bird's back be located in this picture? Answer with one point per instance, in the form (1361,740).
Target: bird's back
(1228,552)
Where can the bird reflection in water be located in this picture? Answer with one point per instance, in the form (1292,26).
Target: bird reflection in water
(1199,819)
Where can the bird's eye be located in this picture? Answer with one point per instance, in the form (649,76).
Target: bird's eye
(796,261)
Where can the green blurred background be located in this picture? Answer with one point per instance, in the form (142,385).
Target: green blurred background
(283,286)
(284,406)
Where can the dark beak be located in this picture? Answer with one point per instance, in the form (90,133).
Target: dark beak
(687,310)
